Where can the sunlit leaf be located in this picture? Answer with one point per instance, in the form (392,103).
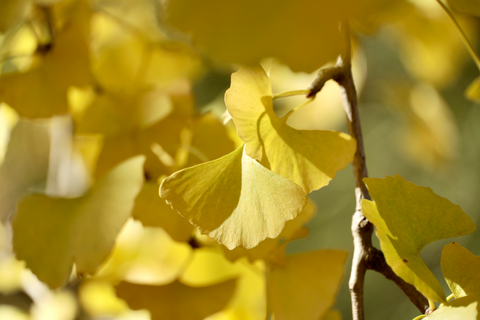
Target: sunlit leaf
(460,269)
(177,301)
(52,233)
(307,287)
(209,266)
(153,211)
(207,129)
(308,158)
(25,164)
(464,308)
(293,230)
(407,218)
(65,64)
(234,199)
(466,6)
(136,256)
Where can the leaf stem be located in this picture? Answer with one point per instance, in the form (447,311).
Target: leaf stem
(290,93)
(285,118)
(462,33)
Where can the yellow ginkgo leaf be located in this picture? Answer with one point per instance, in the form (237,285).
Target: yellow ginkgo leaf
(252,30)
(25,164)
(51,234)
(65,64)
(407,218)
(267,246)
(473,90)
(466,308)
(208,266)
(177,301)
(307,287)
(310,158)
(460,269)
(153,211)
(466,6)
(206,129)
(234,200)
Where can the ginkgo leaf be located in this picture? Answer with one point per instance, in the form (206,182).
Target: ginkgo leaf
(473,90)
(177,301)
(460,269)
(206,129)
(466,6)
(466,308)
(153,211)
(234,200)
(307,287)
(51,234)
(209,266)
(65,64)
(290,232)
(253,30)
(310,158)
(136,256)
(407,218)
(25,164)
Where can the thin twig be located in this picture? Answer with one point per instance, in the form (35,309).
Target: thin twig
(365,256)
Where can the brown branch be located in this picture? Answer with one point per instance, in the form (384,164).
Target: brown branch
(365,256)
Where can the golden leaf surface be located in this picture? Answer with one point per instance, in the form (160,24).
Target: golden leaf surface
(153,211)
(65,64)
(307,287)
(51,234)
(407,218)
(234,200)
(310,158)
(25,164)
(177,301)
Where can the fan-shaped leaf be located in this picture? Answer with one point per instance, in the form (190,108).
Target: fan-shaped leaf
(309,158)
(234,199)
(51,234)
(407,218)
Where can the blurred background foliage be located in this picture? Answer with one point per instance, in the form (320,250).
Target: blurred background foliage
(86,85)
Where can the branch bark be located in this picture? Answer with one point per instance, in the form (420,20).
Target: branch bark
(365,256)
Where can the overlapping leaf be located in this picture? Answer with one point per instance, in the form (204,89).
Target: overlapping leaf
(208,266)
(65,64)
(253,30)
(153,211)
(293,230)
(52,233)
(308,158)
(407,218)
(460,269)
(306,288)
(234,199)
(177,301)
(25,164)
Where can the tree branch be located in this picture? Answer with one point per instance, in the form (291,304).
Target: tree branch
(365,256)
